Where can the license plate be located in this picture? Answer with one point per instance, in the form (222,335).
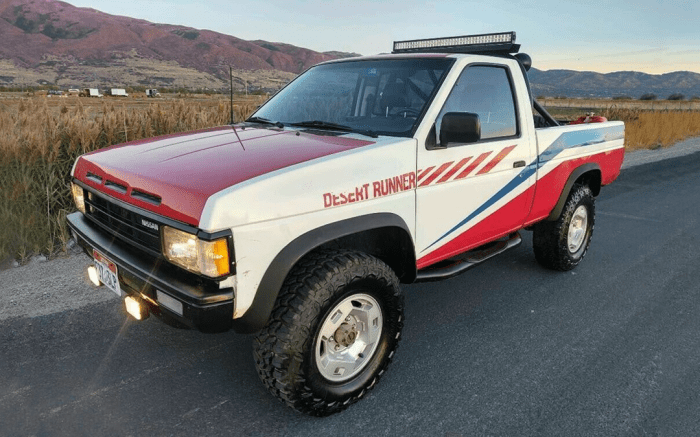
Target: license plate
(107,272)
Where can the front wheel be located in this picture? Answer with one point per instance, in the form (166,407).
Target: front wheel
(562,244)
(332,333)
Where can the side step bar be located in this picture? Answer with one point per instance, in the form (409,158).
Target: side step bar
(461,263)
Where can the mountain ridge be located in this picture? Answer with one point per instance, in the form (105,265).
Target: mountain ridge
(41,31)
(50,42)
(634,84)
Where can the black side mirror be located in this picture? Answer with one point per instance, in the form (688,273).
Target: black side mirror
(460,128)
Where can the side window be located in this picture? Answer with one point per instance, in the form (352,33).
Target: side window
(486,91)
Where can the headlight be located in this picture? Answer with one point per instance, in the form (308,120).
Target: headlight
(78,197)
(209,258)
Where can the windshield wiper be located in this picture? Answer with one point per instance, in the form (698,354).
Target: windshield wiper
(265,121)
(319,124)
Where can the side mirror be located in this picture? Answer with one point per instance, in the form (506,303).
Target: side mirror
(460,128)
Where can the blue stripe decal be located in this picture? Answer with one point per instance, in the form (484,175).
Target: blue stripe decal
(519,179)
(567,140)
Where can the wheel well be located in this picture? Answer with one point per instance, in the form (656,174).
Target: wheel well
(592,179)
(392,245)
(382,235)
(588,174)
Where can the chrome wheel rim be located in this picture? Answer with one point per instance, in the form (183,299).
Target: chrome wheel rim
(348,337)
(577,229)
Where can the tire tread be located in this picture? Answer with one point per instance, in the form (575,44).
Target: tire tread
(549,237)
(280,346)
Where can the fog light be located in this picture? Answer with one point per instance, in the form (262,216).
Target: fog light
(136,308)
(92,274)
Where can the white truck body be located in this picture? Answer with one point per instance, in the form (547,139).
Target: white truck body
(299,223)
(429,210)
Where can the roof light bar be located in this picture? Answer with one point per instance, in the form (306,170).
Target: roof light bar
(490,42)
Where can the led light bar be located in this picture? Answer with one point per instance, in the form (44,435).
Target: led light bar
(490,42)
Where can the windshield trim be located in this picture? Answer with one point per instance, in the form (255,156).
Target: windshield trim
(449,64)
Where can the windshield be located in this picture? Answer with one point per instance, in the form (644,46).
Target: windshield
(385,97)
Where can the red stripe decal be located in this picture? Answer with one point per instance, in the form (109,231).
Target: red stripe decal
(425,172)
(454,170)
(497,224)
(494,162)
(436,173)
(473,165)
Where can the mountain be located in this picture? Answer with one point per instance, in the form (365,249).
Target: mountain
(53,42)
(630,83)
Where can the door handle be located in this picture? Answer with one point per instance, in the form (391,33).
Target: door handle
(518,164)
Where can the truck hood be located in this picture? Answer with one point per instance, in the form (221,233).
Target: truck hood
(174,175)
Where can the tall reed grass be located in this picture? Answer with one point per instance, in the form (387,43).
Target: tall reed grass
(39,144)
(646,129)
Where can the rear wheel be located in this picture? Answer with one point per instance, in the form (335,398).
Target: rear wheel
(332,333)
(562,244)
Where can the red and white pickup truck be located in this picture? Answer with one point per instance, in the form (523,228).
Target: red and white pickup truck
(361,174)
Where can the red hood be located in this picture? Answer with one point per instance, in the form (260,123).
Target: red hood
(185,169)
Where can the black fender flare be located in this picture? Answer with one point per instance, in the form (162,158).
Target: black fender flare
(573,177)
(266,294)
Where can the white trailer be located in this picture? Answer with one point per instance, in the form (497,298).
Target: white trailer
(91,92)
(118,92)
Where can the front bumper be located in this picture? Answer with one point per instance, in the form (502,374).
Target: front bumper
(205,306)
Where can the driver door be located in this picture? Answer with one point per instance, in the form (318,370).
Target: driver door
(469,194)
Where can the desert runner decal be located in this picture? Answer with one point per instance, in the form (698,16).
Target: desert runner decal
(381,188)
(411,180)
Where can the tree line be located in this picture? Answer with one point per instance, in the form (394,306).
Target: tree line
(652,96)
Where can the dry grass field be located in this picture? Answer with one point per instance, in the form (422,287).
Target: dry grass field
(648,124)
(607,104)
(41,137)
(655,129)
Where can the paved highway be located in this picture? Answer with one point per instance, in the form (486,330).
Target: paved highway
(612,348)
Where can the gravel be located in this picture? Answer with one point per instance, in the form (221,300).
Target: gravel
(639,157)
(45,287)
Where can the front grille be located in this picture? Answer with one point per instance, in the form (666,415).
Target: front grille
(124,223)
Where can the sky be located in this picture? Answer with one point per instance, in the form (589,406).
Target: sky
(652,36)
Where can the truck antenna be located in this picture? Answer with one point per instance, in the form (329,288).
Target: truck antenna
(230,76)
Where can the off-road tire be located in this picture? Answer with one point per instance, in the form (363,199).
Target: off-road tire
(549,239)
(284,349)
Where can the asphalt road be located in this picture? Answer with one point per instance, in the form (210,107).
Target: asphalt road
(612,348)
